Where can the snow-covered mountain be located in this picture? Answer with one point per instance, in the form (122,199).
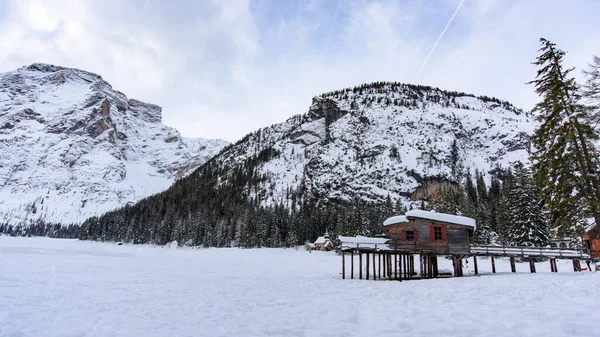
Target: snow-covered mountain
(382,139)
(332,168)
(71,147)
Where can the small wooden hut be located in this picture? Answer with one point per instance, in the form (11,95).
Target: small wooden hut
(431,233)
(591,240)
(323,243)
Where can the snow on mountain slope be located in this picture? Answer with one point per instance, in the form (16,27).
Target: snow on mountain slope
(71,147)
(382,139)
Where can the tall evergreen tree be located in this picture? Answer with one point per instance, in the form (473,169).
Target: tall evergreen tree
(591,89)
(525,223)
(564,156)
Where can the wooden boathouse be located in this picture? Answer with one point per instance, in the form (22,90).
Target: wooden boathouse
(429,235)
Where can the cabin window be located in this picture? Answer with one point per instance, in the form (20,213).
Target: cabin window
(410,236)
(437,233)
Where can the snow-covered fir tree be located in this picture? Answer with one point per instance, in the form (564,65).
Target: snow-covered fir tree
(524,222)
(565,158)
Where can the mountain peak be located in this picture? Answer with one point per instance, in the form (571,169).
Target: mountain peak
(73,147)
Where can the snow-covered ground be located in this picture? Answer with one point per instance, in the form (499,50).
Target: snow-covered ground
(51,287)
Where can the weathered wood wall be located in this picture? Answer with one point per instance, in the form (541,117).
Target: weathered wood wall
(457,237)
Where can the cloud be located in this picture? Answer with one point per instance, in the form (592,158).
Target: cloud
(225,68)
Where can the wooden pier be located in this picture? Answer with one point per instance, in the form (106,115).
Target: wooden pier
(381,261)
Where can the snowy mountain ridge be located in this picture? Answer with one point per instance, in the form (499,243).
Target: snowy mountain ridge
(72,147)
(378,140)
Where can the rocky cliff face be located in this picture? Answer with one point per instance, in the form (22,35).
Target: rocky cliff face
(71,147)
(382,139)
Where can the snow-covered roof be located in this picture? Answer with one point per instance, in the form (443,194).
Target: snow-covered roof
(442,217)
(362,239)
(590,224)
(321,240)
(395,219)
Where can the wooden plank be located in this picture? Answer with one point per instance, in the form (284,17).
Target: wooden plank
(532,266)
(475,265)
(493,265)
(513,267)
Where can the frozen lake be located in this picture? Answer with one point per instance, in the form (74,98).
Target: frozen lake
(51,287)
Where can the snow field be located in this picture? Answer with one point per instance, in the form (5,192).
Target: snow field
(52,287)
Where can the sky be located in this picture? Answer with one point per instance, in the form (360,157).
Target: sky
(222,69)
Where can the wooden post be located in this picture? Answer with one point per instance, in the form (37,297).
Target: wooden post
(343,266)
(551,266)
(391,266)
(532,266)
(384,265)
(513,267)
(493,265)
(436,271)
(367,273)
(359,265)
(395,266)
(374,269)
(352,265)
(576,265)
(379,258)
(475,265)
(402,266)
(412,266)
(458,272)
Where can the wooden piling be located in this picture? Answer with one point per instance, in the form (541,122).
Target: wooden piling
(513,267)
(395,266)
(532,266)
(436,271)
(553,265)
(343,266)
(351,265)
(359,265)
(458,272)
(475,265)
(379,258)
(576,265)
(391,266)
(367,273)
(374,269)
(493,265)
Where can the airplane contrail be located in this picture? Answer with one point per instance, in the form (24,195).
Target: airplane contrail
(438,40)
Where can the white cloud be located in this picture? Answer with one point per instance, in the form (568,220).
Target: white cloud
(225,68)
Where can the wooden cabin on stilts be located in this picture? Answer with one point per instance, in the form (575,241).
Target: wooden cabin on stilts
(417,233)
(426,236)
